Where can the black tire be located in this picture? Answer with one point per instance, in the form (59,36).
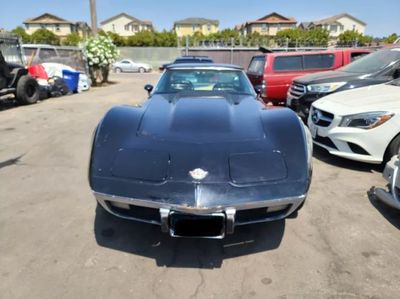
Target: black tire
(117,70)
(392,149)
(141,70)
(28,91)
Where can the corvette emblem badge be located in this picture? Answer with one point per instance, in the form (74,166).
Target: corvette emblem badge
(198,174)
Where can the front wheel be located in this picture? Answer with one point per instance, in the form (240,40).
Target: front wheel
(392,149)
(28,91)
(141,70)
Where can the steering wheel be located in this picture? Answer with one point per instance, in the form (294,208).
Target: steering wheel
(182,85)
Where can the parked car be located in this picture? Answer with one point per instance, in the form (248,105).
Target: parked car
(188,59)
(376,68)
(274,72)
(127,65)
(391,195)
(15,80)
(361,124)
(201,156)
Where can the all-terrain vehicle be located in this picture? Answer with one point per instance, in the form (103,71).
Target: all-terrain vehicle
(14,80)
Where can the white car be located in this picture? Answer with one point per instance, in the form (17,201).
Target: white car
(127,65)
(361,124)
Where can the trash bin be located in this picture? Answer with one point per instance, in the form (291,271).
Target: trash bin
(71,79)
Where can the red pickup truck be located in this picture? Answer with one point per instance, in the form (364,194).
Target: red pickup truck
(274,72)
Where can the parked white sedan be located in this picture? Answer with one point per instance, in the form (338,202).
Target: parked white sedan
(127,65)
(361,124)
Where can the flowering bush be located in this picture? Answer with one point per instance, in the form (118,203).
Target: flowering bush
(101,53)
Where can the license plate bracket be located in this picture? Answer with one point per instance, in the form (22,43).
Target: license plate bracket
(197,226)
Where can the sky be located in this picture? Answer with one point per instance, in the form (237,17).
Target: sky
(382,16)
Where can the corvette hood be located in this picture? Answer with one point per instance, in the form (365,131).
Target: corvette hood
(201,119)
(383,97)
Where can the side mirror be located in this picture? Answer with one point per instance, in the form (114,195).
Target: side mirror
(149,88)
(259,89)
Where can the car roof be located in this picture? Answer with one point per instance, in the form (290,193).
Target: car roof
(327,51)
(193,57)
(216,66)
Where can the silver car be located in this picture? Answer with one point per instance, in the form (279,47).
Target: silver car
(127,65)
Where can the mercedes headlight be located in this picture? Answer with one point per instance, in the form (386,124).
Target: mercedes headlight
(325,87)
(366,121)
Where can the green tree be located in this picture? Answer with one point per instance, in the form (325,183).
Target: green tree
(166,39)
(142,39)
(354,38)
(44,36)
(391,38)
(117,39)
(292,35)
(72,39)
(316,37)
(26,38)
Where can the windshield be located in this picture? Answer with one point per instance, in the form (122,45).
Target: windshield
(374,62)
(232,81)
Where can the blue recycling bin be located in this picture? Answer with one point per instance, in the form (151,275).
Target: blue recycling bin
(71,79)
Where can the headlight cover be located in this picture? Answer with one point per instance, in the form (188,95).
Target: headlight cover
(325,87)
(367,120)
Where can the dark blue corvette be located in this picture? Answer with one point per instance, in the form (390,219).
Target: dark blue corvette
(201,156)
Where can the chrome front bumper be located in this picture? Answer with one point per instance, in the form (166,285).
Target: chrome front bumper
(391,174)
(275,209)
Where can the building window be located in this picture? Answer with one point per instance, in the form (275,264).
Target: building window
(264,27)
(209,27)
(194,27)
(27,26)
(354,27)
(113,27)
(334,28)
(279,27)
(43,26)
(58,28)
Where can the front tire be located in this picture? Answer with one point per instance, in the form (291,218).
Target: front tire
(28,91)
(392,149)
(141,70)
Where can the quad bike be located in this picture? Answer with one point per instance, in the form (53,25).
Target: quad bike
(14,79)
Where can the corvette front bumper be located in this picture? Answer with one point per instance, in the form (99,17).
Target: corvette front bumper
(174,219)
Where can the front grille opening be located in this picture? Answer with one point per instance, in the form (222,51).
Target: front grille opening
(183,225)
(325,141)
(142,213)
(260,214)
(355,148)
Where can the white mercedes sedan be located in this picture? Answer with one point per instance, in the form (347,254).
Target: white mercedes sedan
(361,124)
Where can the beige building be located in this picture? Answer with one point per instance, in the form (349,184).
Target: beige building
(337,24)
(57,25)
(268,25)
(125,25)
(189,26)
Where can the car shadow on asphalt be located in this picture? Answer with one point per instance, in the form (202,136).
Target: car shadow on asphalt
(323,155)
(8,104)
(147,240)
(392,215)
